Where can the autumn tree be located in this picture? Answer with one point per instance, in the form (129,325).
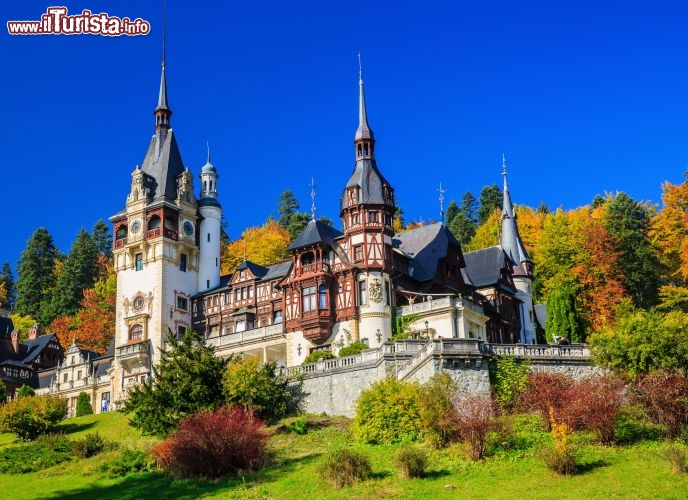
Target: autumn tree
(263,245)
(487,234)
(399,222)
(36,274)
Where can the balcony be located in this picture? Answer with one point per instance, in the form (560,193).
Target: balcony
(120,243)
(439,304)
(134,354)
(248,336)
(316,267)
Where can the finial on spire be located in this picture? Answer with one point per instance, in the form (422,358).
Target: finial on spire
(207,145)
(504,165)
(364,139)
(164,30)
(162,110)
(360,69)
(312,198)
(441,190)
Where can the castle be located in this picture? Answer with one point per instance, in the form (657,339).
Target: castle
(338,287)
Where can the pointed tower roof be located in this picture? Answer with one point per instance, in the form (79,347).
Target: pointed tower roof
(510,240)
(364,131)
(162,94)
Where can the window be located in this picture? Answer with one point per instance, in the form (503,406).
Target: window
(250,292)
(309,299)
(182,262)
(388,297)
(388,220)
(180,331)
(78,375)
(276,317)
(237,294)
(121,233)
(355,219)
(363,292)
(244,293)
(182,303)
(208,237)
(64,378)
(358,253)
(138,259)
(240,325)
(372,216)
(136,332)
(322,297)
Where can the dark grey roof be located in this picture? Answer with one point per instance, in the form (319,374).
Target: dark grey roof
(102,365)
(45,377)
(111,349)
(278,270)
(425,246)
(162,94)
(484,266)
(208,202)
(163,164)
(510,239)
(315,232)
(256,270)
(32,348)
(19,364)
(6,326)
(371,182)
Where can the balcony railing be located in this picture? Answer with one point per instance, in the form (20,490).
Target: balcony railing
(439,303)
(316,267)
(169,233)
(255,334)
(368,357)
(581,351)
(120,243)
(133,349)
(153,233)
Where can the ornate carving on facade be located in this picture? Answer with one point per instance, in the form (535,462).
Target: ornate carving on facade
(376,294)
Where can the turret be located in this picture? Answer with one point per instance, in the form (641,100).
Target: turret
(210,228)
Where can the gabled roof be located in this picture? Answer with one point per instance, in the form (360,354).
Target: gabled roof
(253,268)
(484,267)
(278,270)
(163,162)
(32,348)
(425,246)
(315,232)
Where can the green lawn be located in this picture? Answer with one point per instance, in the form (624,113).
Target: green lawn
(618,472)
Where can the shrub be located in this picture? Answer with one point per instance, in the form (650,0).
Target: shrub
(212,444)
(544,391)
(633,425)
(437,412)
(388,412)
(83,405)
(298,426)
(509,380)
(352,349)
(45,452)
(411,461)
(474,422)
(3,392)
(560,458)
(30,417)
(126,462)
(344,466)
(257,388)
(317,356)
(665,395)
(91,444)
(25,391)
(677,458)
(594,404)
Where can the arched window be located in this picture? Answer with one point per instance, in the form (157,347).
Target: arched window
(153,222)
(136,332)
(307,258)
(322,297)
(121,233)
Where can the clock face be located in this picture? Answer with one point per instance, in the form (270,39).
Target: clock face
(188,228)
(138,302)
(135,226)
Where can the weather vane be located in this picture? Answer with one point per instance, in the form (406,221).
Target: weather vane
(441,198)
(360,67)
(312,198)
(503,164)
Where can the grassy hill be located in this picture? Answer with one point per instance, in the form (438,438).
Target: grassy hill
(513,471)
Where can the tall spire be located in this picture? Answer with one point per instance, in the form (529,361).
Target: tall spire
(312,198)
(441,190)
(163,111)
(364,139)
(510,239)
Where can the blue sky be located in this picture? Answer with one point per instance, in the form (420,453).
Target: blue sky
(583,97)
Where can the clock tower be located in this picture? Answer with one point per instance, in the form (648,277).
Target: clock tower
(156,255)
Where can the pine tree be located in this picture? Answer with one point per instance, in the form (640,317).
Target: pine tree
(79,272)
(7,280)
(287,207)
(35,274)
(562,316)
(628,222)
(490,199)
(187,379)
(102,238)
(451,213)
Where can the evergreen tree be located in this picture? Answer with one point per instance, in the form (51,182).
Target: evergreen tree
(628,222)
(451,213)
(464,224)
(35,274)
(25,391)
(80,271)
(490,199)
(542,208)
(562,316)
(3,392)
(83,405)
(102,238)
(287,207)
(297,223)
(187,379)
(7,281)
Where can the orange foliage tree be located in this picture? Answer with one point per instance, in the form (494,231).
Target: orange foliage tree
(262,245)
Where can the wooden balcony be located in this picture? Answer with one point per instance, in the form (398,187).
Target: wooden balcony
(120,243)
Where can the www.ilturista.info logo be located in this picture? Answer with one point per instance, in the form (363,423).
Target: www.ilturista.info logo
(56,22)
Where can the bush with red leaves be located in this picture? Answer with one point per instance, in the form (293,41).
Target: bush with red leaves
(543,391)
(474,422)
(594,404)
(665,396)
(212,444)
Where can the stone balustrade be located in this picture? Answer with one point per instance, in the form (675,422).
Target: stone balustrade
(580,351)
(253,335)
(430,305)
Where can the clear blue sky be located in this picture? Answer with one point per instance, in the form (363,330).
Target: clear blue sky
(583,97)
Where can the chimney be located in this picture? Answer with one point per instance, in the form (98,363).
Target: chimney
(33,332)
(14,336)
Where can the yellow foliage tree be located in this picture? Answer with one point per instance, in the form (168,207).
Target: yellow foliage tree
(262,245)
(486,235)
